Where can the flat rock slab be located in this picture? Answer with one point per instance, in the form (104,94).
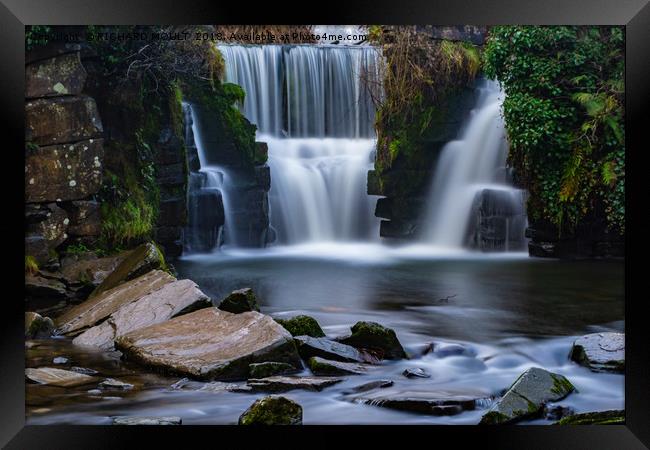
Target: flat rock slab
(325,348)
(321,366)
(424,401)
(160,305)
(95,310)
(58,377)
(210,344)
(125,420)
(283,384)
(527,396)
(601,352)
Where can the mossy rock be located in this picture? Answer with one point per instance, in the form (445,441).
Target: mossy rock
(37,326)
(240,301)
(613,417)
(143,259)
(270,368)
(371,335)
(302,326)
(272,410)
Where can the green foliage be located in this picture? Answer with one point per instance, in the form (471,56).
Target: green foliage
(77,249)
(564,117)
(31,266)
(36,36)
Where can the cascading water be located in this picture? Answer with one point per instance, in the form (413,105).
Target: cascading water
(311,105)
(471,203)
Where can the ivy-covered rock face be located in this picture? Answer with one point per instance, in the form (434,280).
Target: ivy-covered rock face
(564,117)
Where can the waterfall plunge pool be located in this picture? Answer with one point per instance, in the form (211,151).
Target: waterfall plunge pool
(510,311)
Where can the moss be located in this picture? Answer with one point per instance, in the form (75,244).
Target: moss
(267,369)
(31,266)
(561,386)
(302,326)
(272,410)
(614,417)
(494,418)
(371,335)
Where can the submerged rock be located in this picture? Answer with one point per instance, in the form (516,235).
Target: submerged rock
(111,383)
(240,301)
(169,301)
(325,348)
(425,401)
(302,326)
(58,377)
(130,420)
(613,417)
(272,410)
(141,260)
(601,352)
(443,351)
(96,309)
(372,335)
(60,360)
(37,326)
(378,384)
(416,372)
(267,369)
(527,396)
(283,384)
(210,344)
(320,366)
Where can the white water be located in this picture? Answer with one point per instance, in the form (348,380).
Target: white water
(466,167)
(311,107)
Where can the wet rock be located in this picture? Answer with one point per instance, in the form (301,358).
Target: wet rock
(443,351)
(98,308)
(601,352)
(377,384)
(219,386)
(210,344)
(37,326)
(332,350)
(84,370)
(169,301)
(58,377)
(267,369)
(283,384)
(427,401)
(60,360)
(556,412)
(302,326)
(112,384)
(87,269)
(527,396)
(61,120)
(272,410)
(94,392)
(613,417)
(320,366)
(36,246)
(372,335)
(61,75)
(130,420)
(141,260)
(416,372)
(239,301)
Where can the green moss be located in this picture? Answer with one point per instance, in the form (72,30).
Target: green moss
(613,417)
(494,418)
(302,326)
(267,369)
(31,266)
(272,410)
(371,335)
(561,386)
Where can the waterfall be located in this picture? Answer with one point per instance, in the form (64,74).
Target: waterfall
(471,203)
(312,107)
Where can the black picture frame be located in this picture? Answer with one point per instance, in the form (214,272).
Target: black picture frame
(633,14)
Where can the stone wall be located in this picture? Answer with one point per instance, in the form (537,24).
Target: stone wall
(64,153)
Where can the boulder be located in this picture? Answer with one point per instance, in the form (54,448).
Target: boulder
(61,75)
(41,287)
(320,366)
(267,369)
(87,269)
(210,344)
(302,326)
(371,335)
(601,352)
(425,401)
(61,120)
(63,172)
(272,410)
(131,420)
(141,260)
(613,417)
(239,301)
(283,384)
(169,301)
(58,377)
(116,385)
(527,396)
(332,350)
(416,372)
(96,309)
(37,326)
